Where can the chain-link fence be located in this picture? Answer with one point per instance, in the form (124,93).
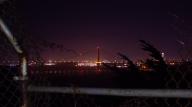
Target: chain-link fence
(58,86)
(49,89)
(175,92)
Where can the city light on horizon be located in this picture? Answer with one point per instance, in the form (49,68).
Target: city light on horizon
(95,53)
(79,29)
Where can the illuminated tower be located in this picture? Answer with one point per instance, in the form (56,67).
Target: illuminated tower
(98,62)
(163,55)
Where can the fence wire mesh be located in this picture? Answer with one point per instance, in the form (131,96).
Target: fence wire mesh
(177,77)
(10,95)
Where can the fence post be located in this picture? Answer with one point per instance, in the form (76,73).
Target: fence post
(23,61)
(23,78)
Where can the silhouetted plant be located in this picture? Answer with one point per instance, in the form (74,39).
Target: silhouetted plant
(131,65)
(157,62)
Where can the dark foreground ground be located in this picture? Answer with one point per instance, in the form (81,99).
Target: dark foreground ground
(11,90)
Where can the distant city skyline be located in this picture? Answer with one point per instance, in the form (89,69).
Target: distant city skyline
(114,26)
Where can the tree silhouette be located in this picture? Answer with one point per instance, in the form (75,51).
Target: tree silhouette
(156,62)
(131,65)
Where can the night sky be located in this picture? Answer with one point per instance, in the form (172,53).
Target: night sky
(113,25)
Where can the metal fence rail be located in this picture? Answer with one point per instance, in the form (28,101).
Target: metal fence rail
(22,57)
(161,93)
(148,93)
